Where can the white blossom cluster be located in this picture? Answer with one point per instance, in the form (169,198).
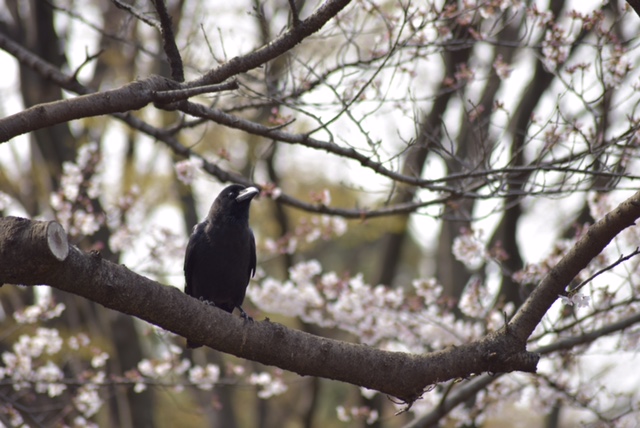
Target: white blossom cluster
(125,229)
(469,249)
(35,363)
(170,369)
(204,377)
(377,315)
(42,311)
(163,244)
(79,184)
(168,366)
(186,169)
(269,385)
(32,364)
(357,413)
(22,367)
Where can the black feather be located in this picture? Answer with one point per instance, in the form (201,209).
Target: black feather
(221,254)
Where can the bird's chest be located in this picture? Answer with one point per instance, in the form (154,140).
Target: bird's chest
(227,247)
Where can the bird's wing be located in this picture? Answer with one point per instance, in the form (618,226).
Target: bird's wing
(252,254)
(189,257)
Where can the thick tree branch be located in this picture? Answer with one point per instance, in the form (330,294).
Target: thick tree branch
(26,260)
(130,97)
(34,253)
(635,5)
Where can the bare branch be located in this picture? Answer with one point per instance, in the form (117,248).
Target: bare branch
(572,342)
(287,41)
(459,395)
(141,16)
(41,66)
(169,42)
(231,121)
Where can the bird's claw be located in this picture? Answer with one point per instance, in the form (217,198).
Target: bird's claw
(244,315)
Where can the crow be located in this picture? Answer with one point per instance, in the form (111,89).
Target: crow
(221,254)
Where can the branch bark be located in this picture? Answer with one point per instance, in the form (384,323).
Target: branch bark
(133,96)
(402,375)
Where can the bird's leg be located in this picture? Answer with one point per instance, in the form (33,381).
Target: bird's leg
(244,315)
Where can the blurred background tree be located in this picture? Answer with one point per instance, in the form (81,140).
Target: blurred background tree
(463,144)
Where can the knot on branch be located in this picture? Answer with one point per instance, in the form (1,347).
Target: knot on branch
(504,353)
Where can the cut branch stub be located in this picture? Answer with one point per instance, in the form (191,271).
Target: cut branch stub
(42,239)
(57,240)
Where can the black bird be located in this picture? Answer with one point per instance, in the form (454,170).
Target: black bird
(221,254)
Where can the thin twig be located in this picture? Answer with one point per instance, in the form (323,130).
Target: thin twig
(133,11)
(622,259)
(86,61)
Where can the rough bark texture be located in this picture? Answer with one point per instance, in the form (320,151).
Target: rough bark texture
(397,374)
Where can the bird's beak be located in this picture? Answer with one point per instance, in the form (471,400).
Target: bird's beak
(247,194)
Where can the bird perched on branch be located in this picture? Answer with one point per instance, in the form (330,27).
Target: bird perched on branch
(221,254)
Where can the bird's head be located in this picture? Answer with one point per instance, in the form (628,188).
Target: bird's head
(233,202)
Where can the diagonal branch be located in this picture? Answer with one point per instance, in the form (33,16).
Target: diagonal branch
(459,395)
(280,45)
(27,258)
(467,391)
(588,337)
(597,237)
(40,66)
